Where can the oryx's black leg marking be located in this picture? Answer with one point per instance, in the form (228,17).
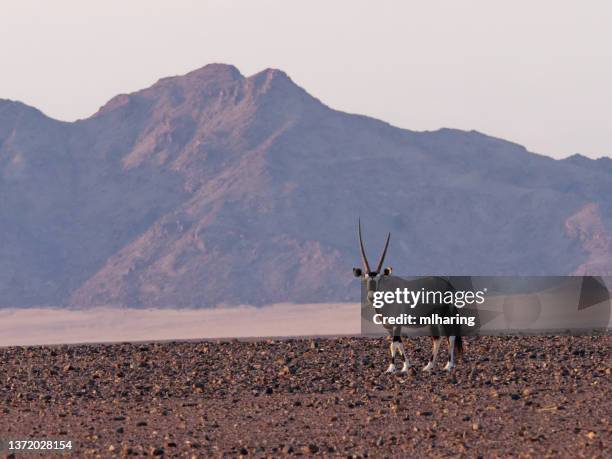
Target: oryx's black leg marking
(394,347)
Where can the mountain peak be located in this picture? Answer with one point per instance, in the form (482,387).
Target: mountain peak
(271,72)
(216,71)
(215,74)
(271,76)
(15,104)
(576,157)
(279,86)
(10,109)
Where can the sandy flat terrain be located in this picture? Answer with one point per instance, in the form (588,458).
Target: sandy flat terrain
(61,326)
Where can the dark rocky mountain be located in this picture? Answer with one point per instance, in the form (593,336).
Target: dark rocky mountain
(214,188)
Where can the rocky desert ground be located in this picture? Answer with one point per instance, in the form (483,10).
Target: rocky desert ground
(509,397)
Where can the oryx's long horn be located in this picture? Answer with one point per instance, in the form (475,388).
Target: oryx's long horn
(382,256)
(364,259)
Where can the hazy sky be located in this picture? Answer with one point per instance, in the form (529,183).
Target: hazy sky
(535,72)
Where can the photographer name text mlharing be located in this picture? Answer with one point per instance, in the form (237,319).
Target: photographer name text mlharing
(414,298)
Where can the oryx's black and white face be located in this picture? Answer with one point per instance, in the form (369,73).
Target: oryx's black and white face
(367,275)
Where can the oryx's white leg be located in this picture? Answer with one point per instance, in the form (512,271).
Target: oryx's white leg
(407,365)
(392,347)
(434,356)
(451,352)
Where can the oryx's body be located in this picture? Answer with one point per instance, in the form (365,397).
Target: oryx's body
(373,279)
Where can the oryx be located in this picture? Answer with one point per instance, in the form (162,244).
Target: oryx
(372,278)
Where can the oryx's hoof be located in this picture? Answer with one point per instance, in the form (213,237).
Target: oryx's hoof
(391,368)
(406,367)
(428,367)
(449,366)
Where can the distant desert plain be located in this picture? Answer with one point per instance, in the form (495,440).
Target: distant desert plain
(39,326)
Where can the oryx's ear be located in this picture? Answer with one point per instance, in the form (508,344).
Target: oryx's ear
(388,270)
(357,272)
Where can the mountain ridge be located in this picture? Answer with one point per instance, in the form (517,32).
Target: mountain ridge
(215,188)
